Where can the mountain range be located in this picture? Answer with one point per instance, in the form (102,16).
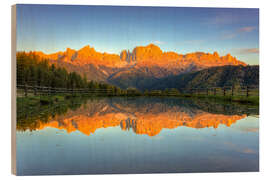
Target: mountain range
(139,68)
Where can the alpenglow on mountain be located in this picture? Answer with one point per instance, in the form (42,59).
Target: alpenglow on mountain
(135,68)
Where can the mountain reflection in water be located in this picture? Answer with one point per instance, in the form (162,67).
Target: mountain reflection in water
(141,115)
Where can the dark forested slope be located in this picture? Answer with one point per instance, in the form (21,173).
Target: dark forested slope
(212,77)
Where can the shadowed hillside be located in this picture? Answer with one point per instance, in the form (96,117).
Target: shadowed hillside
(212,77)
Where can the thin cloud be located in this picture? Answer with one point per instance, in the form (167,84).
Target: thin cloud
(249,51)
(193,42)
(237,148)
(247,29)
(228,36)
(249,151)
(250,129)
(230,17)
(238,32)
(159,42)
(222,19)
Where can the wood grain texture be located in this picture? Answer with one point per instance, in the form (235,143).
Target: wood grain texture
(13,89)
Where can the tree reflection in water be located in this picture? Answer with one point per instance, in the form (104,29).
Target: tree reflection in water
(141,115)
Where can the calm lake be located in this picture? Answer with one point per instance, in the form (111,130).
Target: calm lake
(138,135)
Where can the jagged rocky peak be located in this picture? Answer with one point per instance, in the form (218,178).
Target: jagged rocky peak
(87,50)
(149,49)
(126,55)
(70,52)
(216,54)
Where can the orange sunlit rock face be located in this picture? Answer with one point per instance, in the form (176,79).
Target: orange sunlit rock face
(140,120)
(142,56)
(85,55)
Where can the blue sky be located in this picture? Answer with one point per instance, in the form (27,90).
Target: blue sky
(52,28)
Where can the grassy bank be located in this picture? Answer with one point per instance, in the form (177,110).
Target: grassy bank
(33,102)
(253,100)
